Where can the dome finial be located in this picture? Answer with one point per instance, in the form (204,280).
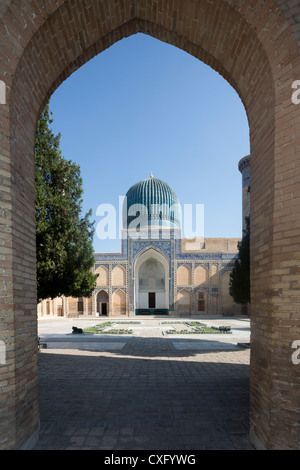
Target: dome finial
(151,176)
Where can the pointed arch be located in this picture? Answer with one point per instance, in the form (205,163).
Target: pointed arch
(102,302)
(184,275)
(228,304)
(103,276)
(201,276)
(102,296)
(239,40)
(184,302)
(119,302)
(151,276)
(143,254)
(201,301)
(118,276)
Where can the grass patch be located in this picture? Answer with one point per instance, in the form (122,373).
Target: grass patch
(125,322)
(117,332)
(100,330)
(198,328)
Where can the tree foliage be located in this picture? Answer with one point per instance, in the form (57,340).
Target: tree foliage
(63,236)
(240,275)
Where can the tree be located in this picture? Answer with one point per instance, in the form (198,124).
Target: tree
(63,236)
(240,276)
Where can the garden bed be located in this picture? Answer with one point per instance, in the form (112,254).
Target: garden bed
(102,329)
(195,327)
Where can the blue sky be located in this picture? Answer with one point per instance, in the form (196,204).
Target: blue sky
(144,106)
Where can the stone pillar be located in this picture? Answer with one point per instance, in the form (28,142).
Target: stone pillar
(19,410)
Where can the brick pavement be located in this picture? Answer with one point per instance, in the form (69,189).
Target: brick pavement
(146,395)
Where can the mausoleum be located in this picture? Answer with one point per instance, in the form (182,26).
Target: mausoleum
(157,271)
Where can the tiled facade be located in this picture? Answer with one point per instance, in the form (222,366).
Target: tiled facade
(217,264)
(198,272)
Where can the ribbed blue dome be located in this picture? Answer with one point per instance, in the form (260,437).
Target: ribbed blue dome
(158,203)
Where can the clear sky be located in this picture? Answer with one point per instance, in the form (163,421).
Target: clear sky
(144,106)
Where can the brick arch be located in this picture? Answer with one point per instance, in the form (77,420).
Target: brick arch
(103,276)
(184,275)
(255,48)
(118,276)
(201,301)
(119,302)
(201,276)
(74,41)
(102,295)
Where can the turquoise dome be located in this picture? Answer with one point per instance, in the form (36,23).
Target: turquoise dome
(157,201)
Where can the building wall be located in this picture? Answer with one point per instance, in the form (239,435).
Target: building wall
(189,278)
(212,245)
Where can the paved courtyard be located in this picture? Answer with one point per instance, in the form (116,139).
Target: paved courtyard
(147,390)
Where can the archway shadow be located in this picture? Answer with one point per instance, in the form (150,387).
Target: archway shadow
(98,400)
(148,347)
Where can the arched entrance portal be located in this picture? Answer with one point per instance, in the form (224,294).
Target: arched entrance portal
(255,47)
(151,284)
(102,303)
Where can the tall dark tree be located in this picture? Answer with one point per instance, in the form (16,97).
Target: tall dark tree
(240,276)
(64,237)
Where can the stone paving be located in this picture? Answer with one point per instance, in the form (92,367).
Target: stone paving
(144,391)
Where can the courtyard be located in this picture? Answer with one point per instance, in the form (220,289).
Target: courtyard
(145,383)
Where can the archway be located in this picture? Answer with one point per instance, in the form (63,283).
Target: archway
(102,303)
(201,301)
(103,276)
(151,283)
(255,47)
(119,302)
(228,306)
(184,275)
(184,302)
(118,276)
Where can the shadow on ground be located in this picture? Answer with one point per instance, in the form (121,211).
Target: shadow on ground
(144,397)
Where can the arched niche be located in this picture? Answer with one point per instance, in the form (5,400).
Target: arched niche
(102,303)
(184,275)
(119,302)
(103,276)
(201,276)
(151,279)
(118,276)
(184,302)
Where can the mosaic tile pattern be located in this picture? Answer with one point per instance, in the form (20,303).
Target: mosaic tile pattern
(158,200)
